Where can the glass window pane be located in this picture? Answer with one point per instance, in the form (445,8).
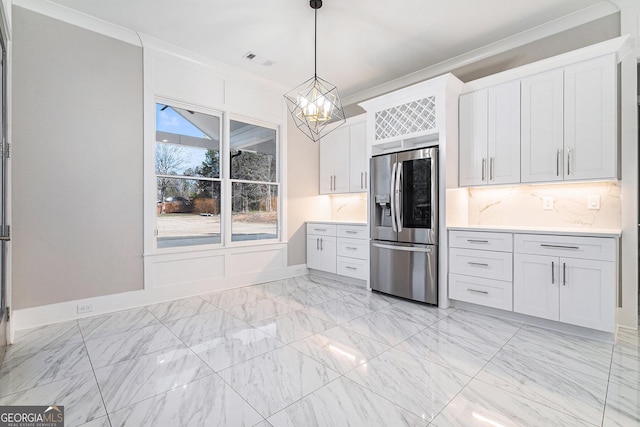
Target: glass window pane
(187,142)
(254,211)
(188,212)
(253,152)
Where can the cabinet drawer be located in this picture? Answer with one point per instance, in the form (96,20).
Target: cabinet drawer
(353,231)
(596,248)
(502,242)
(353,248)
(321,229)
(350,267)
(476,290)
(487,264)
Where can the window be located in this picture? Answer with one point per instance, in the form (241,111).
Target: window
(188,177)
(199,201)
(254,182)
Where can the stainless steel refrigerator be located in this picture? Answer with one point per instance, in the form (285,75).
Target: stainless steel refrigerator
(404,224)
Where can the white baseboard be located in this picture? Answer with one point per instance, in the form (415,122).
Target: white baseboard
(54,313)
(536,321)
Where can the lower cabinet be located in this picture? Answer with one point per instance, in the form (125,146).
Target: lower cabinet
(570,279)
(321,253)
(339,248)
(576,288)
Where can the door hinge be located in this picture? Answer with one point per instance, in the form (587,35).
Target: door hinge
(8,313)
(5,232)
(5,150)
(155,232)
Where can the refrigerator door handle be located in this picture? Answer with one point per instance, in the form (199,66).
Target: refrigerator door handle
(398,186)
(401,248)
(392,192)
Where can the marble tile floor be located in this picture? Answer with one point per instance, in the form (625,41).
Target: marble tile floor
(310,351)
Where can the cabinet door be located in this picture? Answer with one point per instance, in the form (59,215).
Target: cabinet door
(326,164)
(341,160)
(503,129)
(590,119)
(358,164)
(535,286)
(314,257)
(473,138)
(541,137)
(587,293)
(321,253)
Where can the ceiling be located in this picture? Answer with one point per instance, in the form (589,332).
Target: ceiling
(361,44)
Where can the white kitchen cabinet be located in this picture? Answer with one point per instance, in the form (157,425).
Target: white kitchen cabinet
(321,247)
(536,286)
(338,248)
(358,160)
(343,160)
(473,138)
(575,283)
(490,135)
(334,162)
(542,127)
(480,268)
(569,123)
(590,119)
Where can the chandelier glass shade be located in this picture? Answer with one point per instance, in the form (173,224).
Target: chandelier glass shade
(315,105)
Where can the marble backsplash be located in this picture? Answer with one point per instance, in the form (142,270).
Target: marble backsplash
(349,207)
(521,205)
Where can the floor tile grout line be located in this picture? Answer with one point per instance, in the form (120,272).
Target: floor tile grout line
(515,394)
(477,372)
(95,377)
(606,394)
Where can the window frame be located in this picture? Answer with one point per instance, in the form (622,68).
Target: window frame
(220,179)
(226,183)
(277,182)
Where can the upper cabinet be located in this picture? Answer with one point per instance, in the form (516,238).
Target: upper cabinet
(569,122)
(490,135)
(343,160)
(556,125)
(542,127)
(334,162)
(590,119)
(358,160)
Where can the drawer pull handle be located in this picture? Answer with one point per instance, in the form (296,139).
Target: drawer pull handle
(477,291)
(351,248)
(477,241)
(479,264)
(351,232)
(350,268)
(559,246)
(319,229)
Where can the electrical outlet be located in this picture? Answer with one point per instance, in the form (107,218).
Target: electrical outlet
(593,202)
(85,308)
(547,203)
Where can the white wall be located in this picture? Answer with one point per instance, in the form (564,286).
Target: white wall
(76,162)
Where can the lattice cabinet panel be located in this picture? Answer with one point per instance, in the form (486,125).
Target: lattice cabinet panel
(406,119)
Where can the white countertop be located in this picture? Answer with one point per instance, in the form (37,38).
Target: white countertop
(588,232)
(335,221)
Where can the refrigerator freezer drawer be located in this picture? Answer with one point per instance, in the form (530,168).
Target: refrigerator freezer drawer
(405,270)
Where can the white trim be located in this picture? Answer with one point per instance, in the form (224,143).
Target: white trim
(536,321)
(620,46)
(80,19)
(38,316)
(592,13)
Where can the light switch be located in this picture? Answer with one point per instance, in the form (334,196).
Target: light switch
(547,203)
(593,202)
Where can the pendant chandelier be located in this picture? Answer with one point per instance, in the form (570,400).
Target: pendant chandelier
(315,105)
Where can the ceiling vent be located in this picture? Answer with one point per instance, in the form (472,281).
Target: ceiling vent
(252,57)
